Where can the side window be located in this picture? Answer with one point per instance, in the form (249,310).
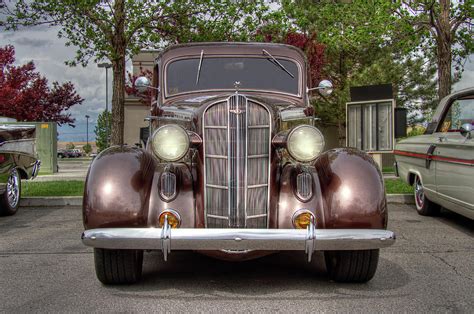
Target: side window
(460,112)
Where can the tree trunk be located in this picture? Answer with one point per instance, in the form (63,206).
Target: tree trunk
(118,65)
(118,101)
(444,54)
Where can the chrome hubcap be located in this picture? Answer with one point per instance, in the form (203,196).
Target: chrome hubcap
(13,189)
(419,193)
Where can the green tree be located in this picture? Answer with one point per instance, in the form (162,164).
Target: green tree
(446,32)
(70,145)
(118,29)
(103,120)
(87,148)
(361,39)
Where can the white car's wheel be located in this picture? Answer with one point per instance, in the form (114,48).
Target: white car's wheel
(424,206)
(10,199)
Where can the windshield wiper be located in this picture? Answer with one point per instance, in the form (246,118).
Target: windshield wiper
(199,67)
(276,62)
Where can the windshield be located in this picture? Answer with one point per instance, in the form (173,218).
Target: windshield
(221,73)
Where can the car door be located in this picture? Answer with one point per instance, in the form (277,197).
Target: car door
(454,155)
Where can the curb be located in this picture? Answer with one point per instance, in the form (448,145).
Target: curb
(400,199)
(40,201)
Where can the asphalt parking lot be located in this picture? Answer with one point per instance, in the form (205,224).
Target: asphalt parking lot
(45,268)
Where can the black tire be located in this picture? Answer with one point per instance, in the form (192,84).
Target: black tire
(351,266)
(10,199)
(423,205)
(114,267)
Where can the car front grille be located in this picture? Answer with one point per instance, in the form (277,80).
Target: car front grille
(237,158)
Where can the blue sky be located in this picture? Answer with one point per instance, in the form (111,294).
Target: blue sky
(41,45)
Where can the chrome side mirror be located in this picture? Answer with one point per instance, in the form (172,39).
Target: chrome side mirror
(142,84)
(324,88)
(466,130)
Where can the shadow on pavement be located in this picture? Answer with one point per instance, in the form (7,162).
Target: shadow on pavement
(195,276)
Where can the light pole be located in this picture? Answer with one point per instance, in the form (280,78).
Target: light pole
(87,129)
(106,66)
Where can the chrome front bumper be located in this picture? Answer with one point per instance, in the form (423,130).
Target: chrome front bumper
(167,239)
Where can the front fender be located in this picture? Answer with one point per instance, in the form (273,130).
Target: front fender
(117,188)
(352,189)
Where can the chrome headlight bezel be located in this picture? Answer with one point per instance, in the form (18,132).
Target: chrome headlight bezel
(155,146)
(292,152)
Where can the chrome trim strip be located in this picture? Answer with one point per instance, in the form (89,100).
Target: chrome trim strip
(215,126)
(256,216)
(217,217)
(258,156)
(217,156)
(454,200)
(257,186)
(168,239)
(228,157)
(238,141)
(218,186)
(258,126)
(246,159)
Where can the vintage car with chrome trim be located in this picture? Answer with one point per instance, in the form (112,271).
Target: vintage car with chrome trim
(440,163)
(17,161)
(234,169)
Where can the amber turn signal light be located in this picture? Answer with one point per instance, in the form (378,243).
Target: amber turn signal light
(302,219)
(174,220)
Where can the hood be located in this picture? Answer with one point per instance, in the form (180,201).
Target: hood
(193,103)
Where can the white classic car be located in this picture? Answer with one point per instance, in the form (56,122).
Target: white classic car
(440,163)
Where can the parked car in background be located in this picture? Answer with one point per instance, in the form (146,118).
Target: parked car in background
(77,152)
(69,153)
(63,153)
(440,163)
(235,169)
(18,160)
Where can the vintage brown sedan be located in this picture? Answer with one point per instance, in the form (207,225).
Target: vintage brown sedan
(18,160)
(234,169)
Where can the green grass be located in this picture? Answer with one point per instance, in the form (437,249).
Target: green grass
(388,169)
(52,188)
(397,186)
(76,188)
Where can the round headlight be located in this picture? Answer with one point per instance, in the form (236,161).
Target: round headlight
(305,143)
(170,142)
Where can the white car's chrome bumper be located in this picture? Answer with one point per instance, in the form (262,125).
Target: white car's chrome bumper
(167,239)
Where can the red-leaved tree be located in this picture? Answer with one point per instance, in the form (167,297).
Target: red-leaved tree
(313,50)
(26,96)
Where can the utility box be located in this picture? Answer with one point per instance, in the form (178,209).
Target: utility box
(46,144)
(370,125)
